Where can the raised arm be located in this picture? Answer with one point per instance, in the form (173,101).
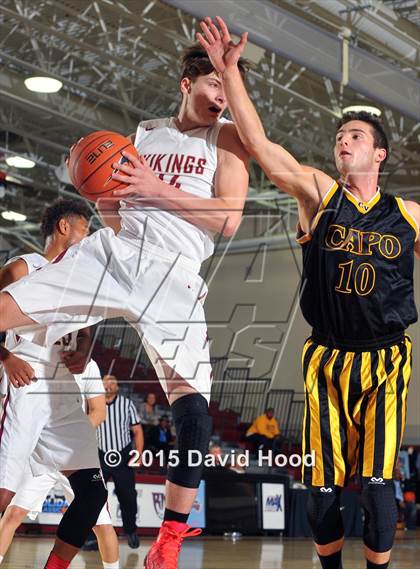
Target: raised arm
(306,184)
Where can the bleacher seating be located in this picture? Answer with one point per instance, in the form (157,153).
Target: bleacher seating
(236,400)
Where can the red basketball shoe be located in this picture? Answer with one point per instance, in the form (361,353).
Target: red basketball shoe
(165,550)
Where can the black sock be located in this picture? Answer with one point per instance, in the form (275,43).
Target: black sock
(171,516)
(371,565)
(332,561)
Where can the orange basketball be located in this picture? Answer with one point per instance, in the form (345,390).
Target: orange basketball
(90,163)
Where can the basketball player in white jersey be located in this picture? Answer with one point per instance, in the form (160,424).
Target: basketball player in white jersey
(30,496)
(43,424)
(145,267)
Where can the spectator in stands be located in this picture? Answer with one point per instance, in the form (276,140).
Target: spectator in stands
(413,462)
(149,411)
(219,462)
(216,451)
(264,431)
(234,465)
(160,437)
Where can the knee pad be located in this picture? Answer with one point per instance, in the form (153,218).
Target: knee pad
(323,509)
(381,514)
(90,495)
(193,426)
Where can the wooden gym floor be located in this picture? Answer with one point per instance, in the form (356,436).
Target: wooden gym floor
(217,553)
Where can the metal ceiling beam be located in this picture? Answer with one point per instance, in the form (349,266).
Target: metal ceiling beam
(293,37)
(83,46)
(43,141)
(19,62)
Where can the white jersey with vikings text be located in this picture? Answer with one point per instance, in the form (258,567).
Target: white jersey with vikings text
(186,160)
(31,351)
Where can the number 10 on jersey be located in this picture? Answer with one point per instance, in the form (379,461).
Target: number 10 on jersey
(360,279)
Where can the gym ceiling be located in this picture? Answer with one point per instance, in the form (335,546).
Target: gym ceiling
(117,61)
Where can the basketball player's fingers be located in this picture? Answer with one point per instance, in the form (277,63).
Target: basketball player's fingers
(125,192)
(244,39)
(202,41)
(210,38)
(122,178)
(223,28)
(14,381)
(213,28)
(18,381)
(26,376)
(29,370)
(122,167)
(135,161)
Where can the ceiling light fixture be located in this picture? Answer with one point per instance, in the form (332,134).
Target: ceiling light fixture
(19,162)
(13,216)
(43,84)
(359,108)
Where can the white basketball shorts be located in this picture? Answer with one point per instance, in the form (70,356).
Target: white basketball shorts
(160,293)
(48,430)
(33,491)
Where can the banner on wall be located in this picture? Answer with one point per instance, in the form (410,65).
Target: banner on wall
(52,510)
(272,505)
(150,506)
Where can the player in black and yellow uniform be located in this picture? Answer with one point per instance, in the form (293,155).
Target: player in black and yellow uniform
(357,294)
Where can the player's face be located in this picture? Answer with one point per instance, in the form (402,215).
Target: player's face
(206,99)
(78,230)
(355,151)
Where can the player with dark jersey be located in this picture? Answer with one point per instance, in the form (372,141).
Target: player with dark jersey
(357,294)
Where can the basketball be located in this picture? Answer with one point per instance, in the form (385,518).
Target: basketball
(90,163)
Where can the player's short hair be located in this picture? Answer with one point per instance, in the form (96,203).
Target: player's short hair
(62,207)
(380,139)
(195,62)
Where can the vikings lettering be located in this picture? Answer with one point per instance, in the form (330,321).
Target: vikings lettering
(176,163)
(362,242)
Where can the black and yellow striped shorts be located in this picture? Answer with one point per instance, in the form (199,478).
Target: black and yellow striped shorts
(355,410)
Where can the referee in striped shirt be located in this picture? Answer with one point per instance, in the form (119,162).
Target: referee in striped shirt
(118,432)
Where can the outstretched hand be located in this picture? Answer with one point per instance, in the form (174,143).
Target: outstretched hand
(222,51)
